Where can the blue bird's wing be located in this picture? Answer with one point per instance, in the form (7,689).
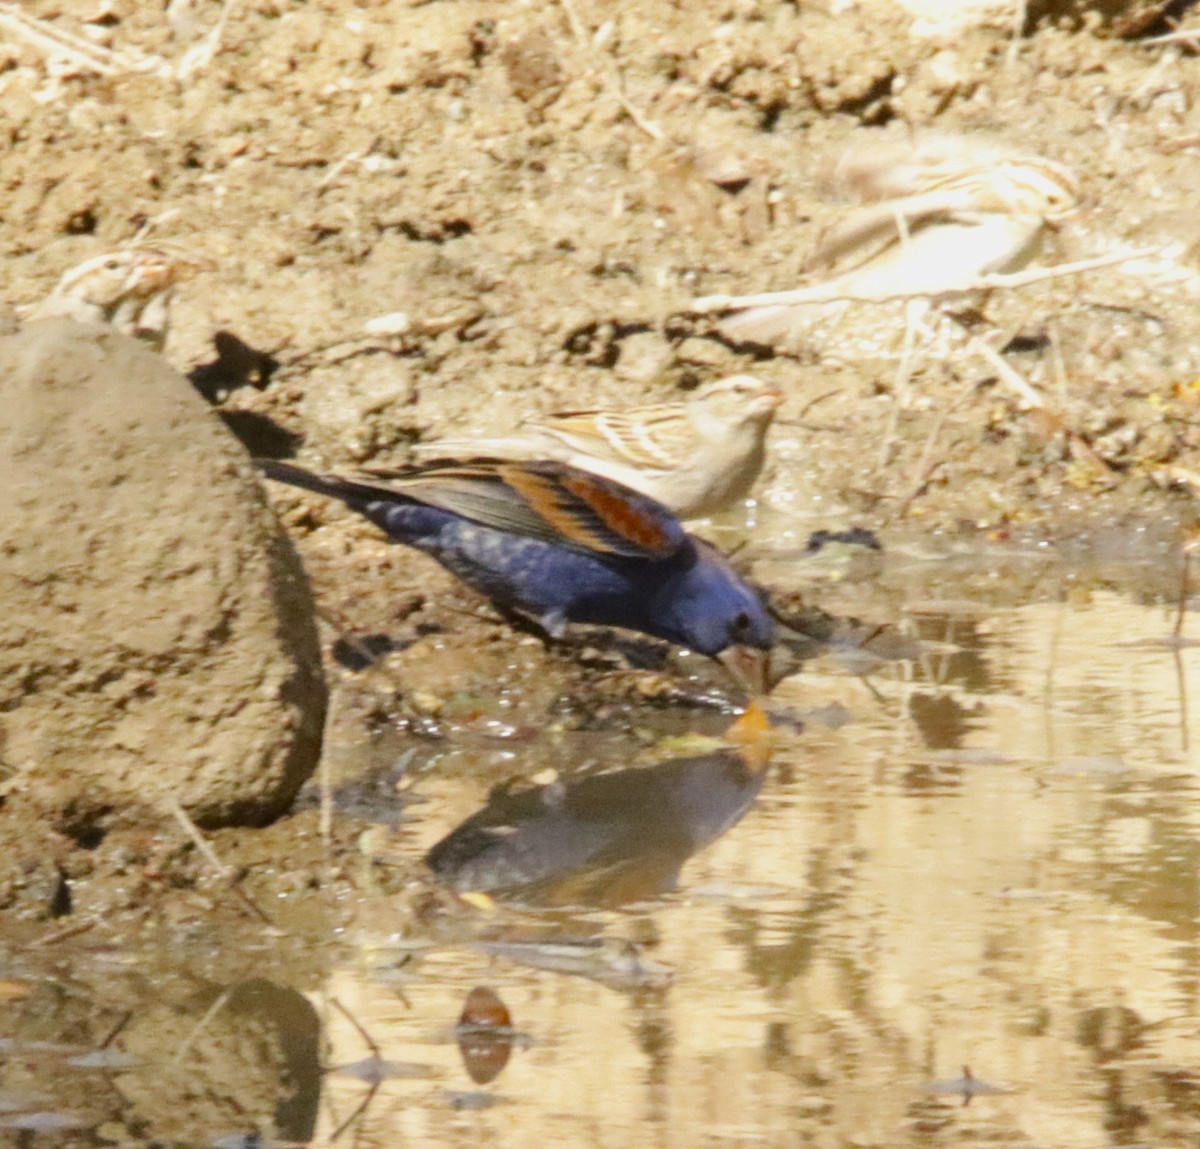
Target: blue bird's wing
(553,502)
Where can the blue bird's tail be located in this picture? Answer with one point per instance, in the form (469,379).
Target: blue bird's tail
(354,494)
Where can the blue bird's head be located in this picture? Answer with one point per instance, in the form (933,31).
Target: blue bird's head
(712,610)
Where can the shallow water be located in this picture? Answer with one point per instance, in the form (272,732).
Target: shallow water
(960,905)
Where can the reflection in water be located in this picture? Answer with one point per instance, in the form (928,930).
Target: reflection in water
(991,860)
(183,1064)
(262,1036)
(967,1086)
(920,888)
(615,962)
(606,840)
(485,1035)
(296,1031)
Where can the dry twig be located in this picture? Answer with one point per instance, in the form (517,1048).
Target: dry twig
(614,82)
(77,51)
(1175,37)
(210,856)
(1012,379)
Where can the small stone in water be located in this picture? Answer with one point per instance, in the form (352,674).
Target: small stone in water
(375,1070)
(43,1121)
(102,1059)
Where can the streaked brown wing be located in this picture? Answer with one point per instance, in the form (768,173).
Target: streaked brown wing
(643,437)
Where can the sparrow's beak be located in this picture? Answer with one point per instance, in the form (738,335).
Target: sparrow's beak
(151,277)
(749,666)
(768,401)
(186,265)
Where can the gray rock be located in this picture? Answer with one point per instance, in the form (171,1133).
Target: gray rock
(156,632)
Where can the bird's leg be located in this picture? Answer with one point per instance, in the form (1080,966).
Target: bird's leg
(550,627)
(554,623)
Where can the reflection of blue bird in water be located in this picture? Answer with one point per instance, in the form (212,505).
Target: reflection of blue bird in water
(605,840)
(564,546)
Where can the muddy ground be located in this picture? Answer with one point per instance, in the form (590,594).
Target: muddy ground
(539,189)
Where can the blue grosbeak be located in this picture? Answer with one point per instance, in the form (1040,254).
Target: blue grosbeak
(563,545)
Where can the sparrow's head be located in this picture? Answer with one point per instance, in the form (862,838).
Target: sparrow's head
(1035,185)
(139,273)
(738,399)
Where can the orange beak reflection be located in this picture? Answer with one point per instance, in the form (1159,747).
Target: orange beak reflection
(753,737)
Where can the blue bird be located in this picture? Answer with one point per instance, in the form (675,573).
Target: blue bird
(563,545)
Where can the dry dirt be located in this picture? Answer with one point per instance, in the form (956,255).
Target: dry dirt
(532,186)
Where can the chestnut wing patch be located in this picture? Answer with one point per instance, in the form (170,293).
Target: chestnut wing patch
(549,501)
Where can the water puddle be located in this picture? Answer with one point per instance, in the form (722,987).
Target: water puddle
(958,903)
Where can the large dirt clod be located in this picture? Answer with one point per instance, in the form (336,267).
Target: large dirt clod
(156,631)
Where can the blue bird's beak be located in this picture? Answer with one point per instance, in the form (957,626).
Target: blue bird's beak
(749,667)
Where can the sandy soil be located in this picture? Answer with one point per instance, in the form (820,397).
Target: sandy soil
(540,189)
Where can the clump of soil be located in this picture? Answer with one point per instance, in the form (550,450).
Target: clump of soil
(157,633)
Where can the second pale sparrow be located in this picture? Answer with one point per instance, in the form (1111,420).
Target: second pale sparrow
(697,456)
(937,213)
(130,290)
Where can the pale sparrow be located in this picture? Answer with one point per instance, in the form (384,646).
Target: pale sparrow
(938,214)
(130,289)
(696,456)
